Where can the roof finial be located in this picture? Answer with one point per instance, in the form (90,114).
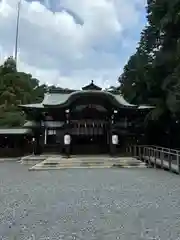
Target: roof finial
(91,86)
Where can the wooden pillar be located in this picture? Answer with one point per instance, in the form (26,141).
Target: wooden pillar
(36,145)
(45,136)
(112,150)
(33,145)
(67,136)
(37,141)
(113,136)
(42,136)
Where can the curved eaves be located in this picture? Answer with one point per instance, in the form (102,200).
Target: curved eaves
(64,100)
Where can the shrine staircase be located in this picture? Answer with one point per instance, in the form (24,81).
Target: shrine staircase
(56,162)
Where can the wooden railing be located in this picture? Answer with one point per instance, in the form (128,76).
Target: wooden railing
(157,157)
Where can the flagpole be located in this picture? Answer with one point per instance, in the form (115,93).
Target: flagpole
(17,31)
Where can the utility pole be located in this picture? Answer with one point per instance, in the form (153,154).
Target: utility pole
(17,31)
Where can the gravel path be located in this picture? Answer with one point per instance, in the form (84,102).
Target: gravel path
(126,204)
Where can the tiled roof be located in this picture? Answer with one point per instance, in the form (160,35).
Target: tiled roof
(145,107)
(30,124)
(60,99)
(33,105)
(15,131)
(55,98)
(91,86)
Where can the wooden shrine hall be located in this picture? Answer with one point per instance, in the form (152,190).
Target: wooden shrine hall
(87,121)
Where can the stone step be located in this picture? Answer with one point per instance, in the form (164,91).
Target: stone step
(88,164)
(69,163)
(32,159)
(89,159)
(80,167)
(92,163)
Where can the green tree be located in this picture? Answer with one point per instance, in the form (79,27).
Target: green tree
(152,74)
(16,88)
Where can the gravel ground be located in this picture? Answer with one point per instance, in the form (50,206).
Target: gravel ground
(126,204)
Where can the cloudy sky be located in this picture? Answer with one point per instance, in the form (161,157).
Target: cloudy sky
(70,42)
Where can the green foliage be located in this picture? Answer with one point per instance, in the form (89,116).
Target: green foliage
(16,88)
(152,73)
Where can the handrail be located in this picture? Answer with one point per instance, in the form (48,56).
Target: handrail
(157,156)
(159,147)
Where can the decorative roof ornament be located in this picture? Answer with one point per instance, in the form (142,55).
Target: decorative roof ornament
(92,86)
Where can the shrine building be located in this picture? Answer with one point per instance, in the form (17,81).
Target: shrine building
(89,121)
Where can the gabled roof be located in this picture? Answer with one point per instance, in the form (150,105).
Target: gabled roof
(33,105)
(145,107)
(14,131)
(91,86)
(60,99)
(63,99)
(55,99)
(122,101)
(33,124)
(52,124)
(30,124)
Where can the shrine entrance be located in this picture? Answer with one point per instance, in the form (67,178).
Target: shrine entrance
(89,130)
(89,137)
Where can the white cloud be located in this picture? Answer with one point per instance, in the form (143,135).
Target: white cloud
(58,50)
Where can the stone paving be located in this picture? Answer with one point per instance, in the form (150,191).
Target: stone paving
(89,204)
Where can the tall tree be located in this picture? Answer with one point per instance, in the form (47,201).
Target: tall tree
(16,88)
(152,73)
(19,88)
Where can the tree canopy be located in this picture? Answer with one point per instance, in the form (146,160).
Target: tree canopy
(152,74)
(17,88)
(153,71)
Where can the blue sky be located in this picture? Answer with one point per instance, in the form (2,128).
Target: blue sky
(70,42)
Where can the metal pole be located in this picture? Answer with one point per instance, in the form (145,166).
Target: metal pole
(161,157)
(149,158)
(134,151)
(17,31)
(178,162)
(155,155)
(170,161)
